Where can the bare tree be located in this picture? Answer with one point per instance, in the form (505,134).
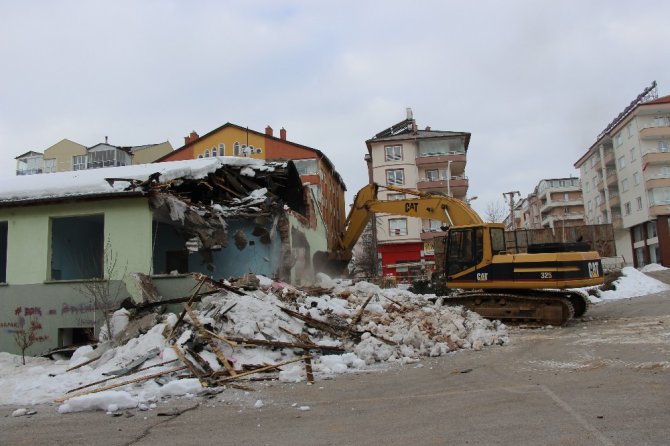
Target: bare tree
(495,212)
(101,292)
(24,336)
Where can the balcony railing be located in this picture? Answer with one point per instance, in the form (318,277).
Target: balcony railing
(28,171)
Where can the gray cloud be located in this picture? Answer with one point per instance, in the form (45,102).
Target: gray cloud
(534,82)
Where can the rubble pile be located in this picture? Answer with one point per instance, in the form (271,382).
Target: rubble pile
(270,331)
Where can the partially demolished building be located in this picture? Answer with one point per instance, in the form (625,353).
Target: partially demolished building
(222,217)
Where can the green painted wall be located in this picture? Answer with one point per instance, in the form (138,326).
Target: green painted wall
(127,229)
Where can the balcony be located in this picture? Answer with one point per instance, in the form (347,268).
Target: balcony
(652,158)
(28,171)
(570,216)
(657,181)
(611,177)
(617,221)
(549,205)
(615,201)
(458,161)
(655,132)
(659,208)
(457,185)
(609,159)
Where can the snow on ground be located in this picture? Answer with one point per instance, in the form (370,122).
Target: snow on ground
(652,267)
(397,326)
(632,283)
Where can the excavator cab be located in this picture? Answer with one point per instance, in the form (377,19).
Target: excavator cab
(465,249)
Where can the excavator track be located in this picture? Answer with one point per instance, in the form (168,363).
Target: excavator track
(543,307)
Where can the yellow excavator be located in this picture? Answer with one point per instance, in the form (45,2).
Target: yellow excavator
(479,272)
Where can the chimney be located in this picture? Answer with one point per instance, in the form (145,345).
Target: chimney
(105,140)
(191,137)
(268,131)
(282,133)
(410,115)
(428,128)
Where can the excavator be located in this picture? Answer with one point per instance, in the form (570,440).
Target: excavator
(536,287)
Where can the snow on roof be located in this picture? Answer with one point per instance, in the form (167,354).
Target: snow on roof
(92,182)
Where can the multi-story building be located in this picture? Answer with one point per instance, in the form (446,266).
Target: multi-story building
(68,155)
(560,202)
(313,165)
(626,179)
(426,160)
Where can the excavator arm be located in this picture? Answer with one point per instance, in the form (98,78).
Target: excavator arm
(449,210)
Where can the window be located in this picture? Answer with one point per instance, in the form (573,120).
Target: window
(627,208)
(432,175)
(618,139)
(396,197)
(566,196)
(629,129)
(497,240)
(598,200)
(662,146)
(393,153)
(651,229)
(214,151)
(639,203)
(397,226)
(79,162)
(435,225)
(662,121)
(200,156)
(3,251)
(395,177)
(622,162)
(637,233)
(595,182)
(636,178)
(50,165)
(222,149)
(107,158)
(633,155)
(207,153)
(589,206)
(77,247)
(624,185)
(306,167)
(236,149)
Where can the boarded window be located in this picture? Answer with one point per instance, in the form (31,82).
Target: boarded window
(77,247)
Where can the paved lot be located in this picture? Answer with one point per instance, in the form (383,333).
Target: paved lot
(604,381)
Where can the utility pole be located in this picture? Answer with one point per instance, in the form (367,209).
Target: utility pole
(511,206)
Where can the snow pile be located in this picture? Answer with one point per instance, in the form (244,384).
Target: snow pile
(632,283)
(652,267)
(395,326)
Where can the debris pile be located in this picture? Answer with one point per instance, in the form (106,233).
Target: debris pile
(232,338)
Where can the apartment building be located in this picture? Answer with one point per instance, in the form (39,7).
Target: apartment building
(555,203)
(68,155)
(429,161)
(626,179)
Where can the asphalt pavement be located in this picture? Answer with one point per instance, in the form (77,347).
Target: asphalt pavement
(603,380)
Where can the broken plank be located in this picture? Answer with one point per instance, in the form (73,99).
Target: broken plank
(204,333)
(114,386)
(284,344)
(308,361)
(183,313)
(323,326)
(201,361)
(262,369)
(190,366)
(119,376)
(357,317)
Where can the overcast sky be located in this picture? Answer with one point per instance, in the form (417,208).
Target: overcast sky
(533,81)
